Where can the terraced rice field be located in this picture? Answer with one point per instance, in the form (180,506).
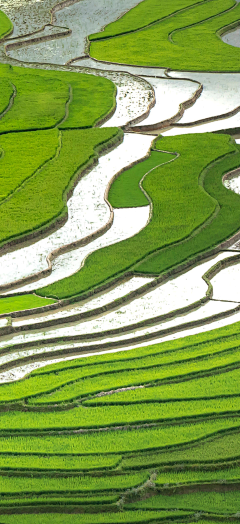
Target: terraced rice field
(119,246)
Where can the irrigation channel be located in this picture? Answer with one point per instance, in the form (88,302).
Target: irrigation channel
(137,310)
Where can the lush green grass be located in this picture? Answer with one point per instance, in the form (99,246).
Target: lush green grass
(226,383)
(58,462)
(171,43)
(180,207)
(18,303)
(42,97)
(143,14)
(42,199)
(213,502)
(26,484)
(125,190)
(108,518)
(23,154)
(189,476)
(5,25)
(118,441)
(218,449)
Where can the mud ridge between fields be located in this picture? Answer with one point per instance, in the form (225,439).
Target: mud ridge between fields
(170,121)
(10,103)
(88,350)
(207,276)
(37,40)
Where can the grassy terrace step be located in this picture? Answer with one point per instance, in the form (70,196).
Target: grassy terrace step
(59,500)
(18,303)
(80,382)
(79,484)
(109,518)
(172,42)
(108,416)
(227,474)
(5,25)
(143,14)
(42,96)
(222,227)
(42,198)
(58,462)
(226,383)
(211,451)
(56,468)
(210,502)
(23,154)
(222,343)
(184,202)
(118,441)
(139,376)
(125,190)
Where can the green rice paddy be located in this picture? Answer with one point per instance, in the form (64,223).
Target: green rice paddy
(41,98)
(192,212)
(5,25)
(126,191)
(52,170)
(151,434)
(180,41)
(18,303)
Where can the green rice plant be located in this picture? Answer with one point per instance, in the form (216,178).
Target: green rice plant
(108,518)
(119,415)
(93,97)
(58,462)
(109,381)
(223,226)
(50,500)
(37,105)
(5,25)
(143,14)
(180,207)
(125,190)
(180,349)
(23,155)
(94,417)
(210,502)
(201,476)
(118,441)
(103,370)
(18,303)
(42,199)
(226,383)
(30,484)
(220,448)
(178,42)
(46,99)
(6,94)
